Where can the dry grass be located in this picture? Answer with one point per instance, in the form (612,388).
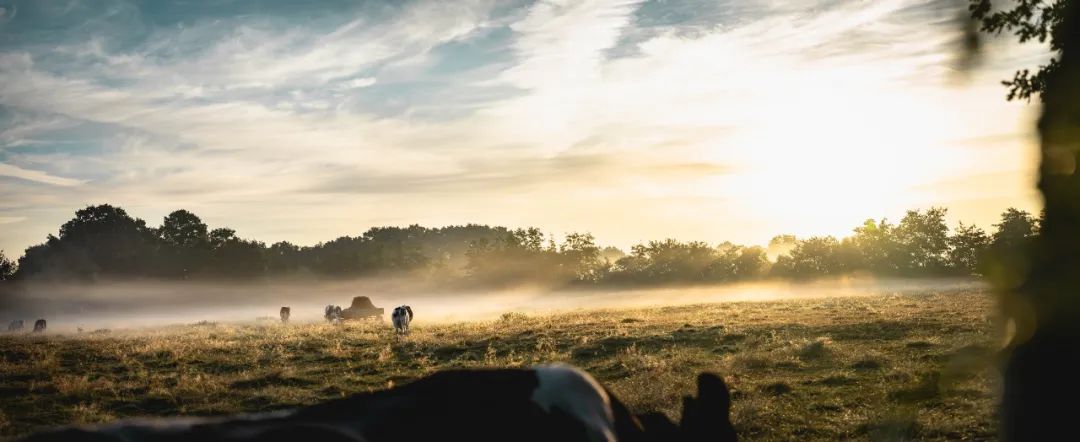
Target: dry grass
(886,367)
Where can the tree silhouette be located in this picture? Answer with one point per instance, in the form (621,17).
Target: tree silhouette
(100,240)
(924,239)
(816,256)
(967,248)
(105,241)
(1041,287)
(878,247)
(1038,20)
(1016,229)
(781,244)
(611,253)
(283,258)
(580,257)
(751,263)
(185,246)
(183,229)
(7,267)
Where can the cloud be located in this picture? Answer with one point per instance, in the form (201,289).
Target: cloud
(357,83)
(7,170)
(515,174)
(11,219)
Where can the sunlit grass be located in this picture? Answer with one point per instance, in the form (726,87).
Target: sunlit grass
(914,365)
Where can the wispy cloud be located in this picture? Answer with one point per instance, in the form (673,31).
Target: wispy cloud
(11,219)
(7,170)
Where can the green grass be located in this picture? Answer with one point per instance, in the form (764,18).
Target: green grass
(883,367)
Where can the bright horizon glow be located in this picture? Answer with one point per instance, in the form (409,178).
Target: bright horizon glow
(633,120)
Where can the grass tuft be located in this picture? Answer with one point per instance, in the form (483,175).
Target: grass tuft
(814,350)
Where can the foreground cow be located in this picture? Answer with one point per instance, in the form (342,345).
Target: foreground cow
(39,325)
(15,325)
(332,313)
(549,403)
(401,317)
(285,312)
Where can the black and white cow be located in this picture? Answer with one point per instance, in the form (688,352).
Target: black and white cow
(401,317)
(285,312)
(39,326)
(15,325)
(547,403)
(332,313)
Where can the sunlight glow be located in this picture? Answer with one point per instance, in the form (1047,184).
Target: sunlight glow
(792,118)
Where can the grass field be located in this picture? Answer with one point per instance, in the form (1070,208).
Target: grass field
(911,365)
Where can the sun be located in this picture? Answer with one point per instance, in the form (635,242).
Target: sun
(829,159)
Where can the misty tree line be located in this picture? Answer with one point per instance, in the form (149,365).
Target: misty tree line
(105,242)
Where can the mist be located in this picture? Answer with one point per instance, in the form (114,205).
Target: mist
(132,305)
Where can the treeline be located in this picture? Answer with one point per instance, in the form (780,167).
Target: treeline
(105,242)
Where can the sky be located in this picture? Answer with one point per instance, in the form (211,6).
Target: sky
(634,120)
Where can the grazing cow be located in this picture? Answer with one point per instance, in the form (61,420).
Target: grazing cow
(332,313)
(546,403)
(285,312)
(15,325)
(401,317)
(39,325)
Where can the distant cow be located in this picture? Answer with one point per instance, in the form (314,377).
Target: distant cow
(546,403)
(285,312)
(39,325)
(332,313)
(401,317)
(15,325)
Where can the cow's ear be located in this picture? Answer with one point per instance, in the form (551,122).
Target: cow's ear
(706,417)
(713,393)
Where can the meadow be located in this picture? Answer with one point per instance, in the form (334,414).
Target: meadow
(916,364)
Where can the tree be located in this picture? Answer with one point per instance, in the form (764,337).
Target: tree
(1015,230)
(725,265)
(813,257)
(967,245)
(781,245)
(784,267)
(879,248)
(1039,288)
(183,229)
(393,249)
(100,240)
(517,256)
(674,261)
(7,267)
(339,257)
(220,236)
(237,258)
(611,253)
(924,239)
(751,263)
(580,256)
(1038,20)
(282,258)
(849,257)
(185,244)
(531,239)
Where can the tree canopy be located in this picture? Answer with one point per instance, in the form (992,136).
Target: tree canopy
(1027,20)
